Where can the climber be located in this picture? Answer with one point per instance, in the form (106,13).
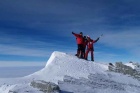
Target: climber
(79,39)
(90,47)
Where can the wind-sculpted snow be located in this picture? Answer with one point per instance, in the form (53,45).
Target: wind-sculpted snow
(94,83)
(61,64)
(73,75)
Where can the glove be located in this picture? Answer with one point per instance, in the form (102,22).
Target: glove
(72,32)
(98,38)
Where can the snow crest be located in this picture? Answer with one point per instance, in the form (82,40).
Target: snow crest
(61,64)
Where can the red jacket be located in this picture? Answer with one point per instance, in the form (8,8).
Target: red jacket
(91,42)
(79,38)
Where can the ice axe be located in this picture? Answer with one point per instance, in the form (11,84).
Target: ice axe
(101,35)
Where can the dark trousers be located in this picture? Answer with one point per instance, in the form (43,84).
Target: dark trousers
(80,50)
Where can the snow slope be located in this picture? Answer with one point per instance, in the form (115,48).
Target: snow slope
(87,76)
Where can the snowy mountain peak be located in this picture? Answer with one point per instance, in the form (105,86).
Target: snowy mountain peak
(61,64)
(75,76)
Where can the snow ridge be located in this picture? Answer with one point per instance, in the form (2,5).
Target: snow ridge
(61,64)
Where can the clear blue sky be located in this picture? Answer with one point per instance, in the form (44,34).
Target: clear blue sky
(30,30)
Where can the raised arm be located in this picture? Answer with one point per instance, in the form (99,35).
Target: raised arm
(76,35)
(96,40)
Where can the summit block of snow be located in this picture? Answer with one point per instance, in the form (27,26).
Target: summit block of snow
(61,64)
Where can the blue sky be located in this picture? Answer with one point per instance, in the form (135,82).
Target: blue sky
(30,30)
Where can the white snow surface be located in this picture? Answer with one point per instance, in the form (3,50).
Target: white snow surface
(62,64)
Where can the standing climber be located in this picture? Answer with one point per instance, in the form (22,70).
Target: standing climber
(85,41)
(79,39)
(90,47)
